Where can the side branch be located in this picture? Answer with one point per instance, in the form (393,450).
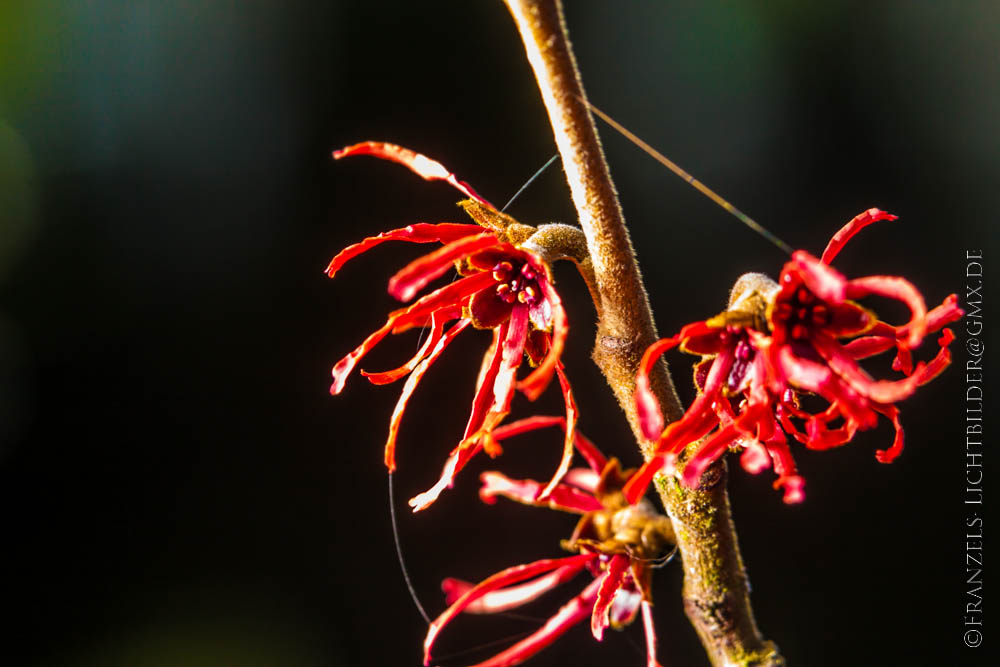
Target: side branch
(715,586)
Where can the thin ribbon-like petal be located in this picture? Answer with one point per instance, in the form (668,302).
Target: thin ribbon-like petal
(421,165)
(422,232)
(343,368)
(410,386)
(512,347)
(528,492)
(853,226)
(417,274)
(570,437)
(452,294)
(511,597)
(844,366)
(650,630)
(568,615)
(438,320)
(504,578)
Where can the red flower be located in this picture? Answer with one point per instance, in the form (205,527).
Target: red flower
(778,341)
(617,542)
(503,288)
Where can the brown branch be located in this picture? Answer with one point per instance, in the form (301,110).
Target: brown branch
(716,593)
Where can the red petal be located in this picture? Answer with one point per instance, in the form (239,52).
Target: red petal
(453,294)
(456,461)
(570,439)
(822,280)
(795,489)
(414,276)
(595,459)
(527,491)
(421,165)
(708,452)
(844,366)
(647,624)
(868,346)
(612,581)
(533,385)
(568,615)
(890,455)
(422,232)
(646,405)
(484,386)
(895,288)
(438,320)
(513,351)
(511,597)
(344,367)
(511,575)
(410,386)
(940,360)
(855,225)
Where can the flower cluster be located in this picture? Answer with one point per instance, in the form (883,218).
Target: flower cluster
(779,341)
(617,542)
(502,287)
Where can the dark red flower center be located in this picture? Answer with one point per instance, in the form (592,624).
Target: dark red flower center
(801,314)
(516,283)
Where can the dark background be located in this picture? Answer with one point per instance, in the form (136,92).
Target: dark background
(176,485)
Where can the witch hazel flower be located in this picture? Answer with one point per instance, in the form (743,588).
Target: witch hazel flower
(781,341)
(503,286)
(616,542)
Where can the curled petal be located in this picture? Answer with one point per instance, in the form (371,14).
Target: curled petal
(422,232)
(844,366)
(900,289)
(410,386)
(533,385)
(421,165)
(940,360)
(855,225)
(890,455)
(511,575)
(610,584)
(755,457)
(528,492)
(417,274)
(795,488)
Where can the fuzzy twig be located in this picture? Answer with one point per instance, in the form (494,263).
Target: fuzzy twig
(716,593)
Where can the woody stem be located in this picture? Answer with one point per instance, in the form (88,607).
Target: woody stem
(716,593)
